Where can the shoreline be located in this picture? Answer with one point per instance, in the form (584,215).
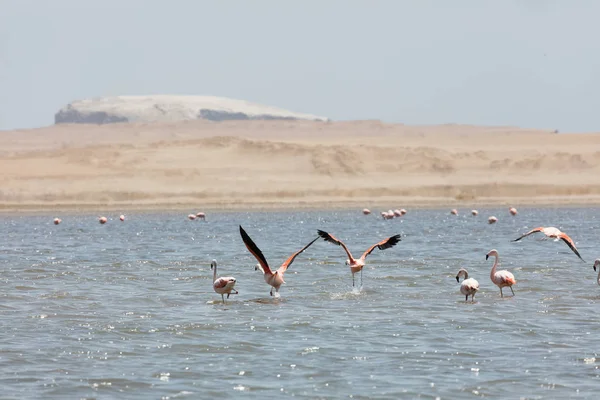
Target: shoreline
(296,206)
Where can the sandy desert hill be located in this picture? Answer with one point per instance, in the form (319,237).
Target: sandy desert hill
(291,164)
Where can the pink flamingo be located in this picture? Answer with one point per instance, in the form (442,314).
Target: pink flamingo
(500,278)
(191,217)
(57,221)
(223,285)
(122,217)
(201,216)
(454,211)
(402,211)
(274,279)
(553,233)
(469,286)
(366,211)
(474,212)
(397,213)
(512,211)
(102,220)
(358,264)
(492,220)
(597,264)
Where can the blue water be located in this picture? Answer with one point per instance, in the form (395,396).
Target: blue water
(126,309)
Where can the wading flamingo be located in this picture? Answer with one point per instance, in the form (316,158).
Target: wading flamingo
(366,211)
(274,279)
(102,220)
(469,286)
(454,211)
(553,233)
(474,212)
(358,264)
(512,211)
(597,264)
(492,220)
(122,217)
(191,217)
(57,221)
(500,278)
(201,216)
(223,285)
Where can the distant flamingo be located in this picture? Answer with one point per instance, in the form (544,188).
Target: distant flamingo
(274,279)
(474,212)
(122,217)
(102,220)
(402,211)
(57,221)
(553,233)
(597,264)
(492,220)
(223,285)
(397,213)
(192,217)
(201,216)
(366,211)
(358,264)
(469,286)
(454,211)
(512,211)
(500,278)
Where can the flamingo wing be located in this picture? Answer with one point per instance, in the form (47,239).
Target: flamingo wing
(540,229)
(332,239)
(565,238)
(291,259)
(253,248)
(220,283)
(384,244)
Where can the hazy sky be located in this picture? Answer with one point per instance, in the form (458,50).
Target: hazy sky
(530,63)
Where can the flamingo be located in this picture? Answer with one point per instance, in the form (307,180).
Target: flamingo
(274,279)
(358,264)
(492,220)
(57,221)
(191,217)
(366,211)
(397,213)
(474,212)
(454,211)
(402,211)
(469,286)
(122,217)
(553,233)
(512,211)
(500,278)
(102,220)
(597,264)
(223,285)
(201,216)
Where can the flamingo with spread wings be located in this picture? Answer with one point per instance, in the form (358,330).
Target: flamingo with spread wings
(274,279)
(553,233)
(355,264)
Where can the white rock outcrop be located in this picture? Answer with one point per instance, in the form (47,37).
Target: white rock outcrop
(164,108)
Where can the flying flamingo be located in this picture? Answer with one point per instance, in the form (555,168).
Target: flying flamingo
(500,278)
(469,286)
(223,285)
(358,264)
(553,233)
(597,264)
(274,279)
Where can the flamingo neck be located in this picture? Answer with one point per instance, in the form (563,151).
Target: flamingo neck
(493,271)
(215,273)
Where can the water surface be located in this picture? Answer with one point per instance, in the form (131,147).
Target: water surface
(126,309)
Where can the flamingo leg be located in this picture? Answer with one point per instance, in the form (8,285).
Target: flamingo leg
(352,279)
(223,297)
(501,295)
(511,289)
(466,297)
(271,292)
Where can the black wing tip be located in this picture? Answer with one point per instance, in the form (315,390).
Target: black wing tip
(322,234)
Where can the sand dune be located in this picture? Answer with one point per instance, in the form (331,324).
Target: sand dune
(283,164)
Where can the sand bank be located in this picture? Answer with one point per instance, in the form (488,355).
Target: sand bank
(293,165)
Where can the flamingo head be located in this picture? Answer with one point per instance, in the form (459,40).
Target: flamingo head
(462,272)
(596,263)
(213,264)
(258,267)
(492,253)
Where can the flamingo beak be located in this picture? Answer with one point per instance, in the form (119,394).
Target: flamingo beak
(594,267)
(457,279)
(487,256)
